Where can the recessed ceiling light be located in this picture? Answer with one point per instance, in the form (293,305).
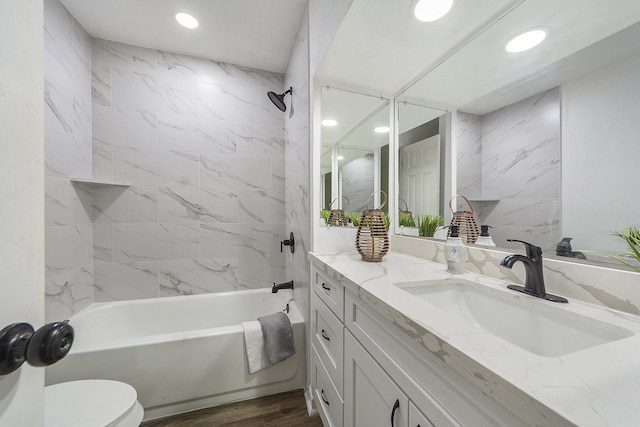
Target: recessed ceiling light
(381,129)
(432,10)
(525,41)
(186,20)
(340,157)
(329,122)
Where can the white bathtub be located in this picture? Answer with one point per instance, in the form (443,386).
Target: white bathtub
(180,353)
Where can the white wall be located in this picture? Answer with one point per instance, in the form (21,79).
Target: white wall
(297,160)
(22,195)
(203,150)
(600,153)
(325,16)
(67,141)
(357,182)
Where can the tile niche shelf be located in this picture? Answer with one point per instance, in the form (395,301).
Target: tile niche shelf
(98,181)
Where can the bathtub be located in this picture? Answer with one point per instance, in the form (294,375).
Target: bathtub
(181,353)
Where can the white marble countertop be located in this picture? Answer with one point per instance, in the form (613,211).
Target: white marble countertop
(598,386)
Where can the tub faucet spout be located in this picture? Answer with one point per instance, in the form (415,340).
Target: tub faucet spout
(285,285)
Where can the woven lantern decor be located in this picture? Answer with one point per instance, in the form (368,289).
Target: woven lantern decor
(372,240)
(467,226)
(406,210)
(336,216)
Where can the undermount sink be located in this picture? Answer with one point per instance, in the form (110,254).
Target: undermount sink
(536,326)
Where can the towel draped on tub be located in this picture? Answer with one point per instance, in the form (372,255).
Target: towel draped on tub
(254,343)
(268,340)
(278,337)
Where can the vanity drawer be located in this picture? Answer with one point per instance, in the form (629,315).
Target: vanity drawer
(328,340)
(328,401)
(330,292)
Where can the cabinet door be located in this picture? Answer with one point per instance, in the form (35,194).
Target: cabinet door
(416,418)
(371,397)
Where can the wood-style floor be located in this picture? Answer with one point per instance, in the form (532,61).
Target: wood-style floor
(279,410)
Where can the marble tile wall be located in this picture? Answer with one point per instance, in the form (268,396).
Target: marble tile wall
(517,151)
(357,182)
(469,155)
(68,211)
(298,166)
(204,152)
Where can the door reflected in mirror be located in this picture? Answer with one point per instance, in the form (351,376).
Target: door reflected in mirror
(422,140)
(354,152)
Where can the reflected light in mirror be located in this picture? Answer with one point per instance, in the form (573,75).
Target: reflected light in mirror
(381,129)
(525,41)
(432,10)
(340,157)
(329,122)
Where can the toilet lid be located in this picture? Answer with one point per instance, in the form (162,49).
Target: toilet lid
(88,403)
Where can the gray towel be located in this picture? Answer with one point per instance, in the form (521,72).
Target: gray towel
(278,337)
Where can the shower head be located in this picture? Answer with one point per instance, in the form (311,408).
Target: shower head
(278,99)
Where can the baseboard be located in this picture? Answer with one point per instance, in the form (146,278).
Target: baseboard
(308,397)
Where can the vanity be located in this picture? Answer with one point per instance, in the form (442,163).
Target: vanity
(404,343)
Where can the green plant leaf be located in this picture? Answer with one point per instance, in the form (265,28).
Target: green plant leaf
(429,224)
(631,236)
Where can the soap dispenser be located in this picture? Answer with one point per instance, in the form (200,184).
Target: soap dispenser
(455,251)
(485,239)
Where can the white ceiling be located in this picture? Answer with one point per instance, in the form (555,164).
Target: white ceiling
(483,67)
(381,46)
(381,49)
(251,33)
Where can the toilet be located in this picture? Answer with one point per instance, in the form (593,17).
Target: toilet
(92,403)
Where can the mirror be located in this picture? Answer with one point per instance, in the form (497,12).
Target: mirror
(546,140)
(508,165)
(423,170)
(354,149)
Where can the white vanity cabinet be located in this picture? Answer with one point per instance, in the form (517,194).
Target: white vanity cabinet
(327,348)
(366,371)
(441,396)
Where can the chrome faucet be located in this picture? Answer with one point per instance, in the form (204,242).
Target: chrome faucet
(534,279)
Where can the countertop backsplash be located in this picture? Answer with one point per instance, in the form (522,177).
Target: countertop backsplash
(605,286)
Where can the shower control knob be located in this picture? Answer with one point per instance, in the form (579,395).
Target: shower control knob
(13,346)
(289,242)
